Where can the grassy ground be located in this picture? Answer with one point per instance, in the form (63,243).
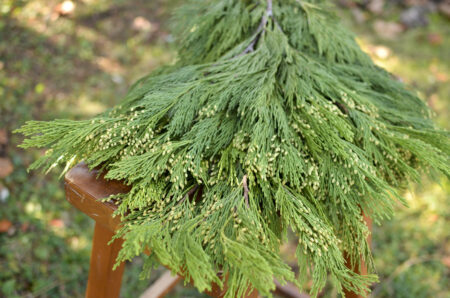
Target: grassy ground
(74,66)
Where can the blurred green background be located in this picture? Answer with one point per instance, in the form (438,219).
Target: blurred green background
(73,59)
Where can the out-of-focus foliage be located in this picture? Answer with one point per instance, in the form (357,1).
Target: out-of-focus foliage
(55,64)
(411,251)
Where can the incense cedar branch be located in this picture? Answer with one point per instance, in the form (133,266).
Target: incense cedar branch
(272,118)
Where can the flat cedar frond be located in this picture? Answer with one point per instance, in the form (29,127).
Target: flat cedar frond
(273,118)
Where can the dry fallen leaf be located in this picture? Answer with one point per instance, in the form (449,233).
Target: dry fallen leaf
(3,135)
(141,24)
(435,39)
(5,225)
(57,223)
(6,167)
(441,77)
(446,261)
(109,65)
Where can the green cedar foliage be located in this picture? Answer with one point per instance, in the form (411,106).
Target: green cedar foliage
(272,119)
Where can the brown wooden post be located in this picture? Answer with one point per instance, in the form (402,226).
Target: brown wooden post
(103,282)
(84,191)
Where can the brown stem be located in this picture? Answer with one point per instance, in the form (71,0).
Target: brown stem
(189,194)
(244,184)
(260,30)
(341,107)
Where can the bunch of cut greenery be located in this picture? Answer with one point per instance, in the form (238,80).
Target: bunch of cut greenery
(272,118)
